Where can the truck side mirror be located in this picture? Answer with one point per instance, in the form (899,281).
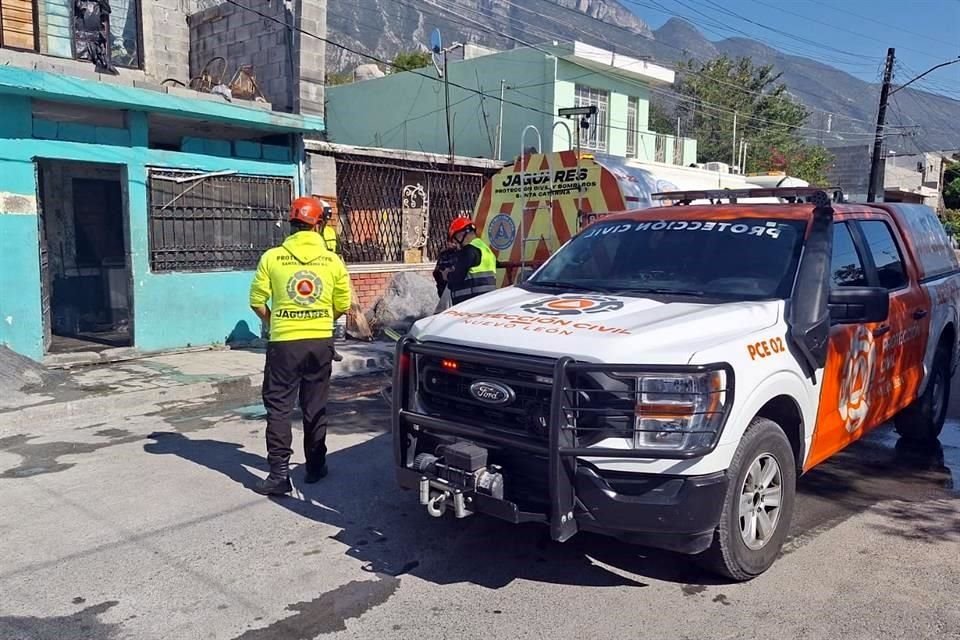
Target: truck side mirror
(853,305)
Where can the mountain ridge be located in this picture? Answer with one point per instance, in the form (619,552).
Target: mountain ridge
(386,27)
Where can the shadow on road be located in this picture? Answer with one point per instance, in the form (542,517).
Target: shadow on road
(386,529)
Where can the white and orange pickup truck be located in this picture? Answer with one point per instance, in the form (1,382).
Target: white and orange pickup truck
(667,374)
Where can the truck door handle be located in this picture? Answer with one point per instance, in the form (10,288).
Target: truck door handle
(881,331)
(919,314)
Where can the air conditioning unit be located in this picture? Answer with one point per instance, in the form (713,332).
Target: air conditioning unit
(719,167)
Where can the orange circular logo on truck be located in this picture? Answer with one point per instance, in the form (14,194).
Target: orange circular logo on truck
(572,305)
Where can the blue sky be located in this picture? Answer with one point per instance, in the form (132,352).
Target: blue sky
(852,35)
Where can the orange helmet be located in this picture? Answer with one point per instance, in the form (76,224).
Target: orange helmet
(459,224)
(307,209)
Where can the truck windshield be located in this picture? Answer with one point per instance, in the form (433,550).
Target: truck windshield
(735,259)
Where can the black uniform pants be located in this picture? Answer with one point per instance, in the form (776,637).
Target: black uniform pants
(297,367)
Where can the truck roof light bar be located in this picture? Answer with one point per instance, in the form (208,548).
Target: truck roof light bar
(717,196)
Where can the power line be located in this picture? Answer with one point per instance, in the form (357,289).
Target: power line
(673,95)
(430,77)
(780,48)
(842,29)
(897,27)
(553,35)
(780,32)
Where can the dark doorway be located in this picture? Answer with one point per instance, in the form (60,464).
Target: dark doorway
(84,257)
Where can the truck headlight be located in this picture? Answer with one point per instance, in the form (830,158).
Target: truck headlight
(678,412)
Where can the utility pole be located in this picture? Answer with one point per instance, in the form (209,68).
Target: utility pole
(733,154)
(743,165)
(446,98)
(876,163)
(678,129)
(500,122)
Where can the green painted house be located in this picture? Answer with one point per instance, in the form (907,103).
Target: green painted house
(406,110)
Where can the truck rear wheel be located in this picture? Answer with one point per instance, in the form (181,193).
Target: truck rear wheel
(758,505)
(922,421)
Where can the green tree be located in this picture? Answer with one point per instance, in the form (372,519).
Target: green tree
(768,119)
(660,119)
(410,60)
(951,184)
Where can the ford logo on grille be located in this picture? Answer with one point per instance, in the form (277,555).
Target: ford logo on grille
(492,392)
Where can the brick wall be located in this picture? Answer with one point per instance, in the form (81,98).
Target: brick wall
(370,286)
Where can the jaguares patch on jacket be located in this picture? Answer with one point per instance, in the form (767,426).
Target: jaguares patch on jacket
(304,288)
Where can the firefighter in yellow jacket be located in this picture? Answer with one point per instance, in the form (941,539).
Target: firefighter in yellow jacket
(308,288)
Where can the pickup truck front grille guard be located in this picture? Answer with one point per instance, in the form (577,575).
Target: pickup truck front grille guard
(562,448)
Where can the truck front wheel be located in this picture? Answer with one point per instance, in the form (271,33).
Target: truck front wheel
(758,505)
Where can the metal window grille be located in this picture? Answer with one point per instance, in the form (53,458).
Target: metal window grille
(387,207)
(596,135)
(632,108)
(214,222)
(660,148)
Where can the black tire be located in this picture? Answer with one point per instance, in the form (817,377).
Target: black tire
(922,421)
(729,555)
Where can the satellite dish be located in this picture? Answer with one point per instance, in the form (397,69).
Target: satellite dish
(436,42)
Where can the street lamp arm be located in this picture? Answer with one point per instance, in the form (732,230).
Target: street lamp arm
(930,70)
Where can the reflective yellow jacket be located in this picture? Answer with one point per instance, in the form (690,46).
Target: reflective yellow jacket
(307,286)
(330,237)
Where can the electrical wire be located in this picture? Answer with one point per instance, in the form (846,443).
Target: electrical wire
(728,111)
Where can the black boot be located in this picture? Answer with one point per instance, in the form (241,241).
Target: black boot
(316,473)
(278,482)
(337,357)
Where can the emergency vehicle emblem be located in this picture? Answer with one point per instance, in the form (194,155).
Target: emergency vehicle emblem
(855,380)
(573,305)
(501,231)
(304,288)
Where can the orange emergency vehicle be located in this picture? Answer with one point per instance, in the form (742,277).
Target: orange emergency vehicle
(667,374)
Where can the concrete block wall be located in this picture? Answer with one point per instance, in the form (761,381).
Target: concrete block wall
(242,37)
(312,56)
(166,40)
(289,66)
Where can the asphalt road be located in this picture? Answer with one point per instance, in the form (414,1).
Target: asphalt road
(144,528)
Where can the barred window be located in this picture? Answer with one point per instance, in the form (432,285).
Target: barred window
(632,108)
(210,222)
(595,137)
(389,207)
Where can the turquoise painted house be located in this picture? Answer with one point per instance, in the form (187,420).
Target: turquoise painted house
(132,215)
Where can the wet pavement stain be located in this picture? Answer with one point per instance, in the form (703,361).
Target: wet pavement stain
(329,612)
(43,457)
(692,589)
(722,599)
(879,469)
(112,433)
(83,625)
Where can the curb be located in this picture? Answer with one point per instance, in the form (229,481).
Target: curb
(40,418)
